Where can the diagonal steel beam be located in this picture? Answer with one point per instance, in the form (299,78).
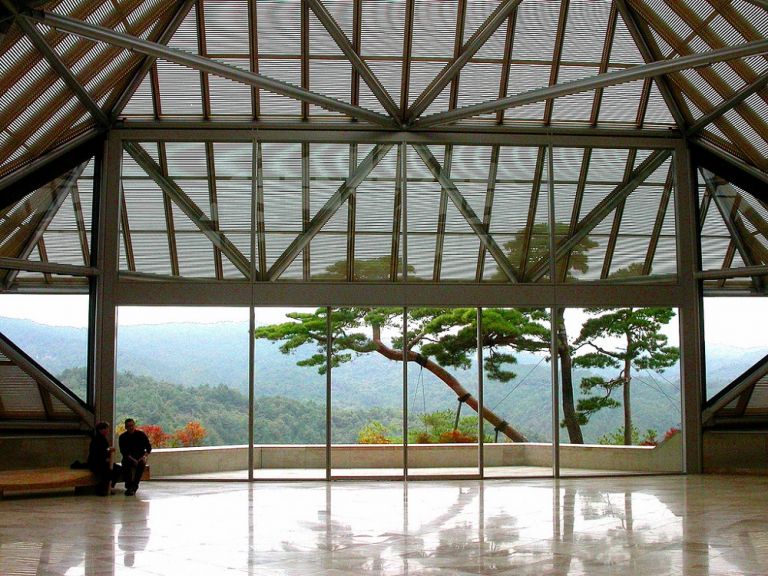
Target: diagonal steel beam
(760,83)
(362,68)
(756,180)
(641,41)
(653,69)
(187,205)
(100,34)
(328,210)
(47,267)
(599,212)
(62,70)
(466,210)
(725,199)
(452,69)
(43,379)
(58,195)
(661,214)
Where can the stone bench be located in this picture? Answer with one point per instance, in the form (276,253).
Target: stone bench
(58,478)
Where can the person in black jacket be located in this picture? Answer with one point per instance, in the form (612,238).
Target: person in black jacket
(100,459)
(135,448)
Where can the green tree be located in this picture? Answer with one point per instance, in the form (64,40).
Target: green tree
(437,338)
(531,245)
(624,339)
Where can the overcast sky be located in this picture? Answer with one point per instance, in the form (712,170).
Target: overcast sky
(739,322)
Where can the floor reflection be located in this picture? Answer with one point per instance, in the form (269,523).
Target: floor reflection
(653,525)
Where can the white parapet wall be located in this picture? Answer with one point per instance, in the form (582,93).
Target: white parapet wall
(665,457)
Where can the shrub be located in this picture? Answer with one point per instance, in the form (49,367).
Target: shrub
(373,433)
(456,437)
(671,432)
(192,434)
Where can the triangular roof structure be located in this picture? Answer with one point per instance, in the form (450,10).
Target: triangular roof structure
(77,66)
(71,70)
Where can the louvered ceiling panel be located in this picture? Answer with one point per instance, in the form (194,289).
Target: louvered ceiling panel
(576,107)
(31,85)
(377,40)
(226,27)
(180,93)
(434,30)
(422,74)
(286,70)
(234,204)
(479,83)
(580,47)
(229,98)
(329,256)
(141,103)
(19,393)
(282,167)
(758,401)
(460,251)
(320,41)
(477,12)
(151,253)
(331,78)
(195,252)
(389,73)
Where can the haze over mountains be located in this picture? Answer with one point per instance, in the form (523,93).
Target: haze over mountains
(212,354)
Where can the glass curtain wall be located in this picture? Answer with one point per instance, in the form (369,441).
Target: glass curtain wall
(734,339)
(442,392)
(367,392)
(517,392)
(622,365)
(289,432)
(182,374)
(52,329)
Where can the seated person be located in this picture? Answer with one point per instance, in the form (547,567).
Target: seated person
(100,459)
(135,448)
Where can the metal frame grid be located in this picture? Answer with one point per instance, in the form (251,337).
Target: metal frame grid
(77,65)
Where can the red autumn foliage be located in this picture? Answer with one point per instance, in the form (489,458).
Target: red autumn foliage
(192,434)
(157,436)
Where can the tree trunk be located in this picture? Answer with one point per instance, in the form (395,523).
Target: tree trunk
(461,392)
(627,406)
(566,377)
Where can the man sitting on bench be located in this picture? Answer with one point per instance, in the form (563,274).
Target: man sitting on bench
(135,448)
(100,460)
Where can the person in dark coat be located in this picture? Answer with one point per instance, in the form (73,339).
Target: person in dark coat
(100,459)
(135,448)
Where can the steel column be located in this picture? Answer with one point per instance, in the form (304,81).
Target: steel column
(690,309)
(107,261)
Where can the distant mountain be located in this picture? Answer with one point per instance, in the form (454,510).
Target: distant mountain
(193,355)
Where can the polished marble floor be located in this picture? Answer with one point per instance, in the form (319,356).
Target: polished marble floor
(693,525)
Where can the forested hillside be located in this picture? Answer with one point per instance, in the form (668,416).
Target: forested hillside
(170,374)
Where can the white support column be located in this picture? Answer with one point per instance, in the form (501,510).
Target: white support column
(691,320)
(107,261)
